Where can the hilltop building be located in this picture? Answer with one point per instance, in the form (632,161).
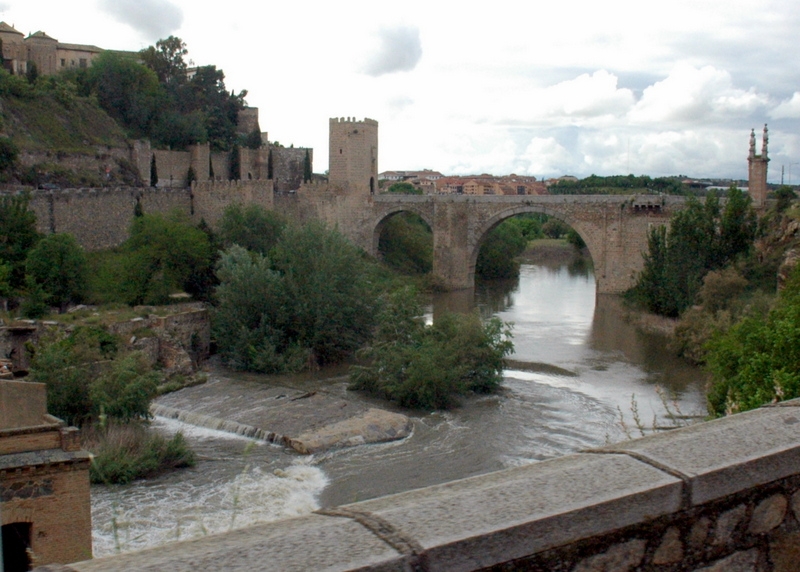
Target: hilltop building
(48,54)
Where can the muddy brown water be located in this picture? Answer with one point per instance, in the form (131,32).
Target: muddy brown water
(579,378)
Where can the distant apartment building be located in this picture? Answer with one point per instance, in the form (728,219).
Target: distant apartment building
(490,185)
(48,54)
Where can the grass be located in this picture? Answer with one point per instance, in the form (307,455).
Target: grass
(125,452)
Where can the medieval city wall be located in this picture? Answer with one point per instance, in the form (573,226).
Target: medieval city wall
(101,218)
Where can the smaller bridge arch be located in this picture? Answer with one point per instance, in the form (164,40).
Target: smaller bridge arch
(383,215)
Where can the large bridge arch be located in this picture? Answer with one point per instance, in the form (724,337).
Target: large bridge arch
(385,214)
(478,238)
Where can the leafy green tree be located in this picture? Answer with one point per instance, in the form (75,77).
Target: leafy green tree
(32,74)
(125,390)
(18,235)
(58,264)
(163,255)
(406,244)
(250,226)
(126,90)
(8,154)
(311,303)
(757,361)
(554,228)
(403,188)
(428,366)
(497,256)
(166,59)
(701,237)
(785,196)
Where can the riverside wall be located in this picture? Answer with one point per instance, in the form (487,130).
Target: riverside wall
(101,218)
(713,497)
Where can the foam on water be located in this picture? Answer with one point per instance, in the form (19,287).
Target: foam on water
(228,489)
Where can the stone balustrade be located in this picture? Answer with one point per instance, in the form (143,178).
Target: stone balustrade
(717,496)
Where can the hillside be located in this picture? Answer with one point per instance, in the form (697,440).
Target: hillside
(45,124)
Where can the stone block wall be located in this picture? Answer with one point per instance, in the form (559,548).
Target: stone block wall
(288,166)
(353,154)
(722,496)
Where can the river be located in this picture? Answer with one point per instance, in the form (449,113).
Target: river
(582,378)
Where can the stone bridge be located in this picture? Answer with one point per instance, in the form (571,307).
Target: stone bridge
(614,228)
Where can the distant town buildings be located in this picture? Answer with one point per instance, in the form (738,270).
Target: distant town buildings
(433,182)
(49,55)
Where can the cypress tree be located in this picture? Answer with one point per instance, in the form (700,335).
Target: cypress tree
(307,168)
(153,171)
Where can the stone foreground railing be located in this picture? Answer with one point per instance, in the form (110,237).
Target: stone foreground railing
(718,496)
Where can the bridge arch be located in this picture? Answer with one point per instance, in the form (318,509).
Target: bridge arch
(477,239)
(380,221)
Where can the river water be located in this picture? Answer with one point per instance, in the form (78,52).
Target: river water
(582,377)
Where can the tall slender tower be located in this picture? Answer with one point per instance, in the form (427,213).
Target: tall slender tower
(353,155)
(757,171)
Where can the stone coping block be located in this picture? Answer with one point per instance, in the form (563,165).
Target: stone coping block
(35,459)
(727,455)
(490,519)
(301,544)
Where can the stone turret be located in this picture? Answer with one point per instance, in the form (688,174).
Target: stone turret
(757,170)
(353,155)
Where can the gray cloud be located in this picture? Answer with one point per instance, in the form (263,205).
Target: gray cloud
(400,49)
(154,19)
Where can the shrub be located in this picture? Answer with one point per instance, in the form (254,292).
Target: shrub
(123,453)
(57,263)
(428,366)
(310,303)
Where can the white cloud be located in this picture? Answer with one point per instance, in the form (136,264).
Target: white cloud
(695,95)
(399,49)
(587,96)
(153,19)
(789,109)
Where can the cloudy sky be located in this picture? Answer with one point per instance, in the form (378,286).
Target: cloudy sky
(536,88)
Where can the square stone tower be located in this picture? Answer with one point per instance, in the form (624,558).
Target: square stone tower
(353,149)
(757,171)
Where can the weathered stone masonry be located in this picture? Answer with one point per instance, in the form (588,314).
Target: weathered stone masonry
(722,496)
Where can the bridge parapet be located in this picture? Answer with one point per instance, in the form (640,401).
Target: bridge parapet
(723,494)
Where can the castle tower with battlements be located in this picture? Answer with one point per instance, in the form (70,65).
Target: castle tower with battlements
(757,171)
(353,150)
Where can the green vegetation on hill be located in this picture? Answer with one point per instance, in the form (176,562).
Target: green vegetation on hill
(619,185)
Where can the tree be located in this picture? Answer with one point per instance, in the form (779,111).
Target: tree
(8,154)
(757,361)
(17,235)
(404,188)
(235,165)
(166,60)
(701,237)
(307,174)
(153,171)
(406,244)
(32,74)
(250,226)
(58,264)
(163,255)
(497,256)
(428,366)
(310,303)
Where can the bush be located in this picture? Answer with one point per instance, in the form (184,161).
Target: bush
(496,258)
(406,244)
(250,226)
(428,366)
(311,303)
(87,379)
(757,361)
(123,453)
(57,264)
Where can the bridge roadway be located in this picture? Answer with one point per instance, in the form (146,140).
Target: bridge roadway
(614,228)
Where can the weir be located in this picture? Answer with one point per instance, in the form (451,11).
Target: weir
(722,495)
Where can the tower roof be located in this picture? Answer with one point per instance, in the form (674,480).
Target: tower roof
(40,36)
(6,29)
